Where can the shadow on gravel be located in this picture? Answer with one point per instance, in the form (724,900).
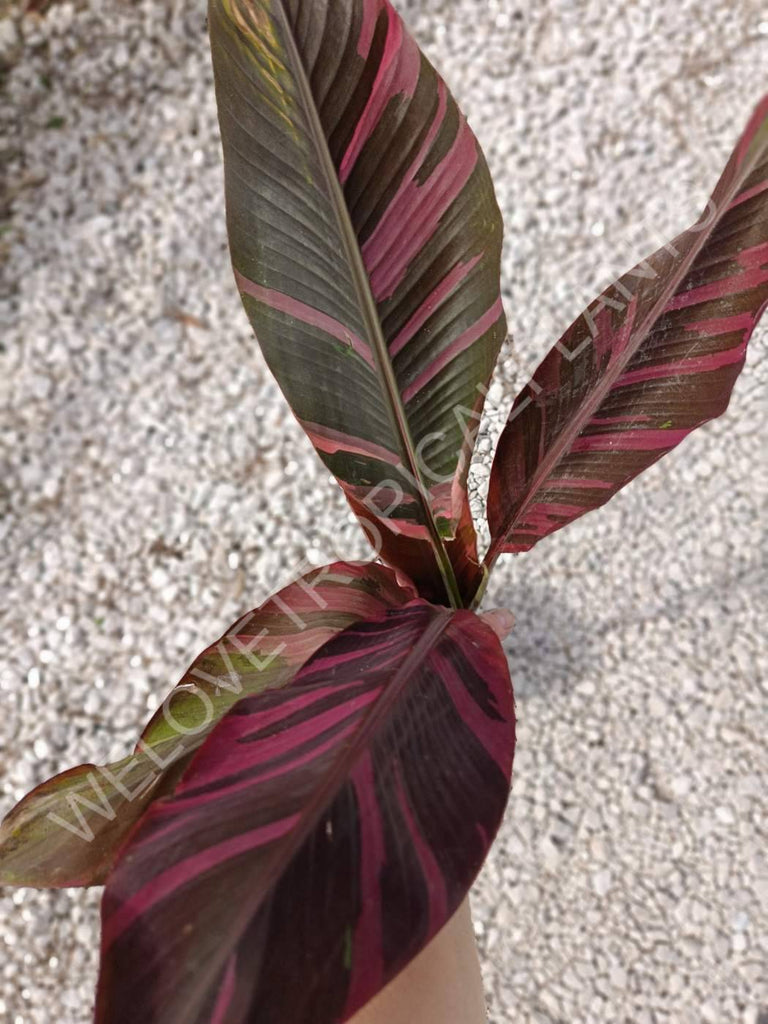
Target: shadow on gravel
(553,643)
(559,634)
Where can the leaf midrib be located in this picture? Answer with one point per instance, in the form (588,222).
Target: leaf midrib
(283,852)
(369,311)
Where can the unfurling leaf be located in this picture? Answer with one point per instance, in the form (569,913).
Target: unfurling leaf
(321,837)
(654,357)
(366,241)
(67,831)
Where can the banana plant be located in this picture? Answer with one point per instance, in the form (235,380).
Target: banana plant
(316,796)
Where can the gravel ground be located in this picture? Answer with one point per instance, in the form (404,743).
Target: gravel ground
(154,485)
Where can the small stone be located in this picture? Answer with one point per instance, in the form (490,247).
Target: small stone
(725,815)
(41,749)
(680,786)
(550,854)
(601,882)
(158,578)
(92,703)
(739,942)
(9,42)
(618,977)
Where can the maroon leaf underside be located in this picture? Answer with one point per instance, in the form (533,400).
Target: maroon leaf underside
(652,359)
(67,831)
(321,837)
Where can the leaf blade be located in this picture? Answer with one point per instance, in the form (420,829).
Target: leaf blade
(652,359)
(67,831)
(366,794)
(363,227)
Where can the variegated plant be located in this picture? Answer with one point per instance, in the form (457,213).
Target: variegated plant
(315,798)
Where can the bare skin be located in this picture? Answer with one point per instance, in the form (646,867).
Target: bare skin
(442,985)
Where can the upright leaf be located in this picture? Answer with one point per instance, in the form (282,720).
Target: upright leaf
(654,357)
(321,837)
(67,831)
(365,239)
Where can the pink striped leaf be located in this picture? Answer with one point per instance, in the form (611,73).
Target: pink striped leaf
(654,357)
(366,241)
(321,837)
(67,831)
